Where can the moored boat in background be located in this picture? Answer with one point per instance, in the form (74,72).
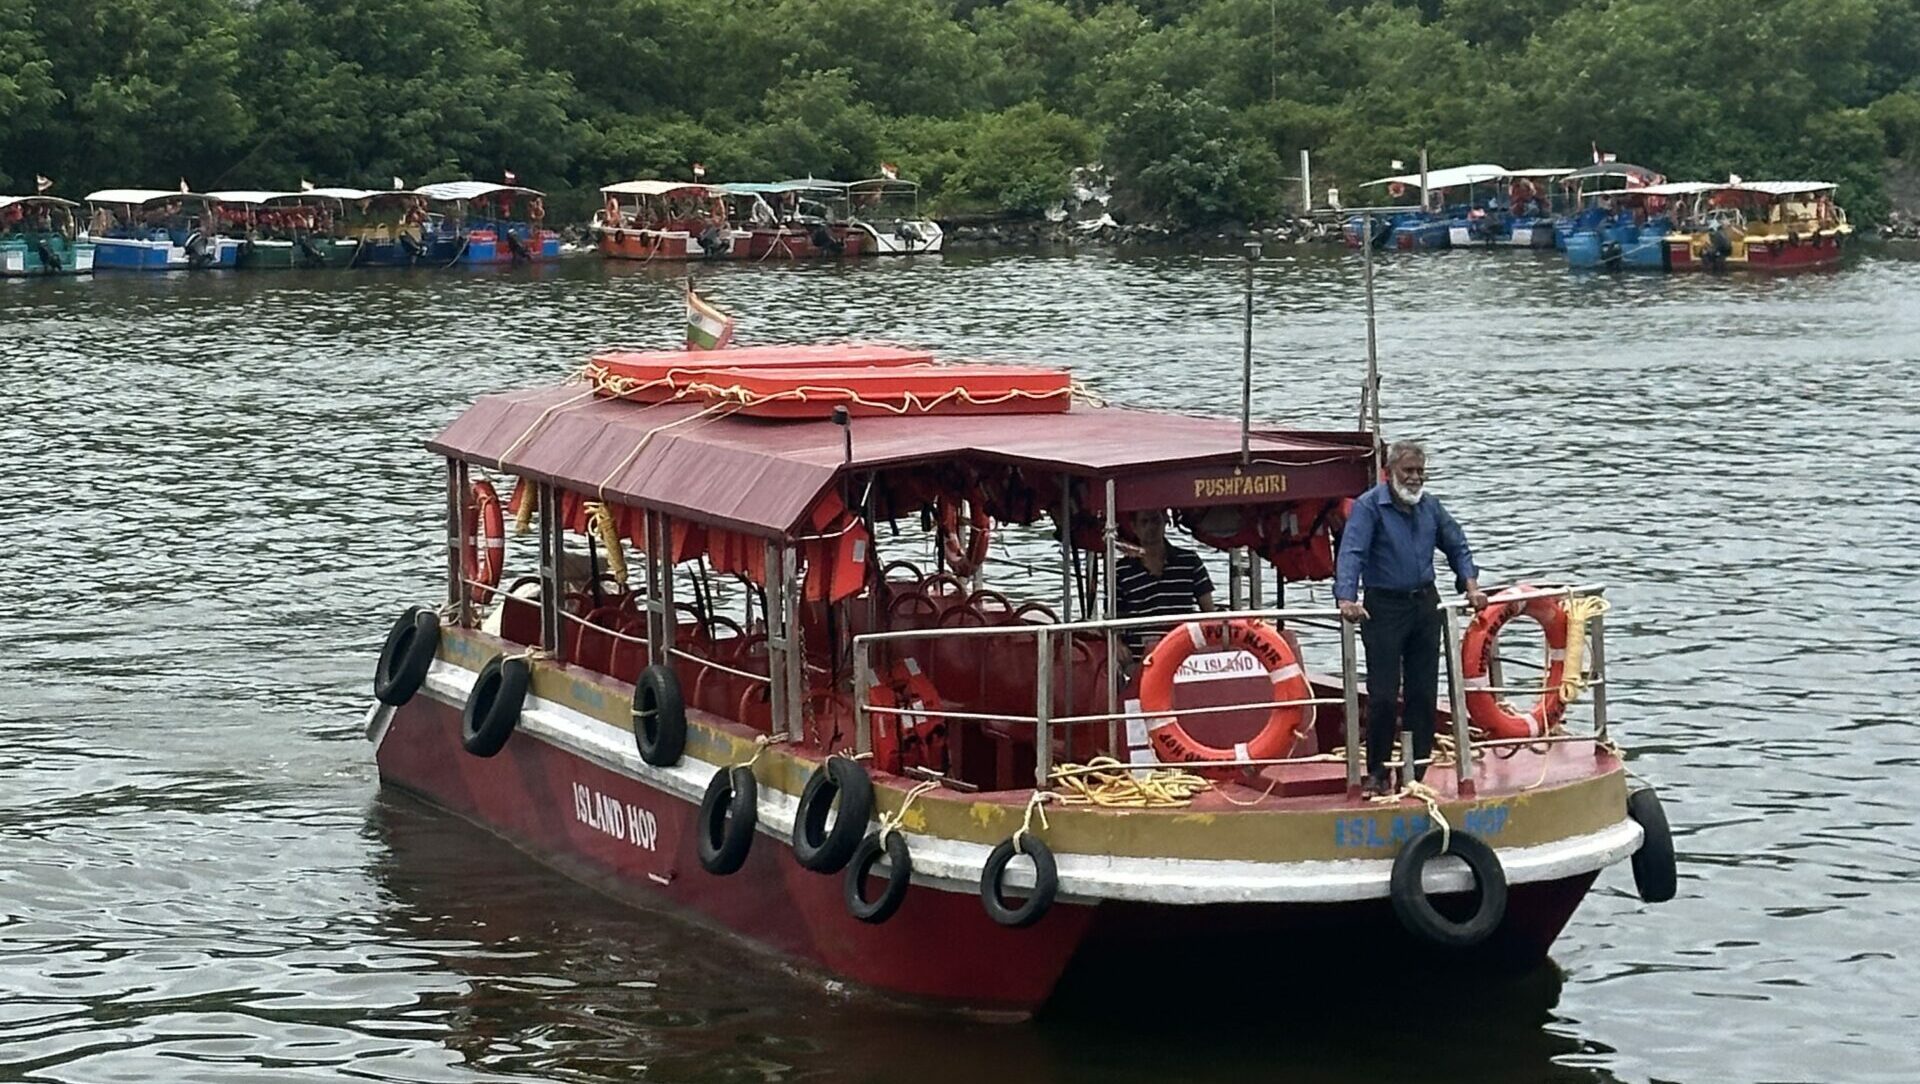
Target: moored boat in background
(1589,195)
(281,229)
(486,223)
(794,220)
(40,235)
(1760,226)
(143,229)
(1426,224)
(1517,212)
(665,220)
(385,228)
(888,210)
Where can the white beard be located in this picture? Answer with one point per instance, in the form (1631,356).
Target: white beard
(1408,496)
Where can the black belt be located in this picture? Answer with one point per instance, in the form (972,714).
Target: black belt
(1428,591)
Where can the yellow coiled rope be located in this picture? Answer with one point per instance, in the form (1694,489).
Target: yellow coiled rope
(600,522)
(1104,781)
(1573,679)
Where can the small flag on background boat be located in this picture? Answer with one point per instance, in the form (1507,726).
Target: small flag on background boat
(708,328)
(511,176)
(1398,165)
(1596,153)
(889,171)
(398,184)
(306,185)
(183,185)
(41,182)
(699,171)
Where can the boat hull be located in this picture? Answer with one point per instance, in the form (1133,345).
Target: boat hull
(24,259)
(1501,233)
(617,832)
(631,832)
(1616,247)
(907,238)
(644,245)
(800,244)
(157,254)
(276,254)
(516,244)
(1694,252)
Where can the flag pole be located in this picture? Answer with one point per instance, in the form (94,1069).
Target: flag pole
(1246,361)
(1370,398)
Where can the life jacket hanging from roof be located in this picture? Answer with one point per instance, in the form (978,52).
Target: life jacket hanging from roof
(836,555)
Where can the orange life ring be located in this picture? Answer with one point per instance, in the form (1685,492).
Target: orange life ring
(1487,709)
(1396,190)
(1284,723)
(484,552)
(536,209)
(902,741)
(964,558)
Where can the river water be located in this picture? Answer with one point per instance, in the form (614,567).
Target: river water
(217,501)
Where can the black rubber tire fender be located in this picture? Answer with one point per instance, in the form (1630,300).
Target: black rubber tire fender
(899,877)
(818,845)
(494,703)
(728,813)
(659,716)
(1416,911)
(1046,883)
(1656,876)
(411,646)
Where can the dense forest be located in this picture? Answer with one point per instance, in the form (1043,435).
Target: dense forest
(1197,108)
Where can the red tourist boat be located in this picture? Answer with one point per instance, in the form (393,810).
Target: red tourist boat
(721,685)
(1757,225)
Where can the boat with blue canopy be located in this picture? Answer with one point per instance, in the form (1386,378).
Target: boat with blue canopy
(40,235)
(145,229)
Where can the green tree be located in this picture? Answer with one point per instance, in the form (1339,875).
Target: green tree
(1184,156)
(1019,160)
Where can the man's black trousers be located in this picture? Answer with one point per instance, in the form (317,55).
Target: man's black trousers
(1402,636)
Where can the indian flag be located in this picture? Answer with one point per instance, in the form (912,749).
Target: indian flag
(708,328)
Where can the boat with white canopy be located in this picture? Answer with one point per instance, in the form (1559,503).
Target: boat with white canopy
(147,229)
(40,235)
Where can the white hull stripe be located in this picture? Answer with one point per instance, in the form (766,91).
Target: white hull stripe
(955,865)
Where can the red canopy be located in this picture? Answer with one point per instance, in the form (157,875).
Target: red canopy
(761,476)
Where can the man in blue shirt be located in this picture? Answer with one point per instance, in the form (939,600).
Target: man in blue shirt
(1388,544)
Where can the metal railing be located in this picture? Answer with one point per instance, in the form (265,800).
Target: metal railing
(1049,657)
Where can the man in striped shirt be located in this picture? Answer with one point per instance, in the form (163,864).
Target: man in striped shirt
(1160,578)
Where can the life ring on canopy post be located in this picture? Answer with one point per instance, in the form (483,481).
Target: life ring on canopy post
(1285,723)
(613,212)
(1488,709)
(1396,190)
(964,557)
(483,551)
